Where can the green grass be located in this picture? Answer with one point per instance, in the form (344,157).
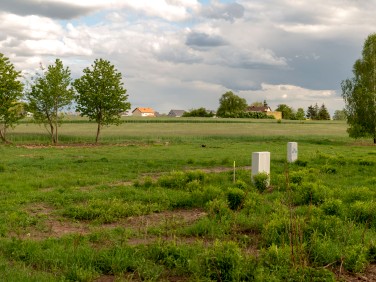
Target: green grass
(81,212)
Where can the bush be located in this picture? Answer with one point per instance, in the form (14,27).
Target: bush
(323,251)
(261,181)
(296,177)
(179,179)
(218,209)
(311,193)
(364,212)
(223,262)
(332,207)
(235,198)
(355,258)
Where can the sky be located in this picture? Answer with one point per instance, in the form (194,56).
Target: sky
(185,54)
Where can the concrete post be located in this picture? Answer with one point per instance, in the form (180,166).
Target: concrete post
(260,162)
(292,152)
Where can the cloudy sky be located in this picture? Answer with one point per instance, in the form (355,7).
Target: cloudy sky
(184,54)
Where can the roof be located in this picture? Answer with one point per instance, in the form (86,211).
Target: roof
(144,110)
(176,112)
(258,109)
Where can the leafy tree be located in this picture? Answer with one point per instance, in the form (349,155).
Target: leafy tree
(100,94)
(50,93)
(339,115)
(10,93)
(359,93)
(313,112)
(200,112)
(323,113)
(287,112)
(300,114)
(231,104)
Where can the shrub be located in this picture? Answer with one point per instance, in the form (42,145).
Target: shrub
(218,208)
(371,253)
(328,169)
(223,262)
(358,194)
(2,168)
(277,259)
(276,231)
(261,181)
(355,258)
(235,198)
(364,212)
(323,251)
(311,193)
(203,195)
(332,207)
(296,177)
(241,184)
(173,180)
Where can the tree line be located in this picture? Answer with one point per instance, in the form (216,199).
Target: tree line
(233,106)
(98,94)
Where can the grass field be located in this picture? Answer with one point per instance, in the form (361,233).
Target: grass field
(150,203)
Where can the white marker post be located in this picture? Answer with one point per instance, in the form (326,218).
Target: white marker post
(260,163)
(292,152)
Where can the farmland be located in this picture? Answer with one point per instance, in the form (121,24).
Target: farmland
(156,200)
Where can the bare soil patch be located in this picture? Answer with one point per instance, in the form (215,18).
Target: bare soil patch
(368,275)
(54,226)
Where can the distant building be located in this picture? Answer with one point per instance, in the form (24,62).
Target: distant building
(143,112)
(176,113)
(262,109)
(265,109)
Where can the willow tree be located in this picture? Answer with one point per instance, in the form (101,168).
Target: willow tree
(359,93)
(10,94)
(50,94)
(230,105)
(101,95)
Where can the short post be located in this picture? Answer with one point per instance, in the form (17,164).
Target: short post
(292,152)
(260,163)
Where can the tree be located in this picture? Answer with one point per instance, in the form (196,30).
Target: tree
(10,94)
(313,112)
(287,112)
(100,94)
(50,93)
(231,104)
(359,93)
(300,114)
(339,115)
(200,112)
(323,113)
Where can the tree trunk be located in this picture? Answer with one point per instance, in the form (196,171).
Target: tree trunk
(52,134)
(98,131)
(2,135)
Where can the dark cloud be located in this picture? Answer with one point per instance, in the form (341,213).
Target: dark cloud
(227,12)
(198,39)
(44,8)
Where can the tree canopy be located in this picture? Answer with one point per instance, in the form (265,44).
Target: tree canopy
(50,92)
(101,95)
(10,94)
(200,112)
(231,104)
(359,93)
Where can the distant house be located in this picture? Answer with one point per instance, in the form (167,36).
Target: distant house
(176,113)
(265,109)
(262,109)
(143,112)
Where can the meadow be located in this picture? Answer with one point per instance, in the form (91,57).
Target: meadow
(159,200)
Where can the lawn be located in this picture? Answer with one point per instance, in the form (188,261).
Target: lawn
(156,200)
